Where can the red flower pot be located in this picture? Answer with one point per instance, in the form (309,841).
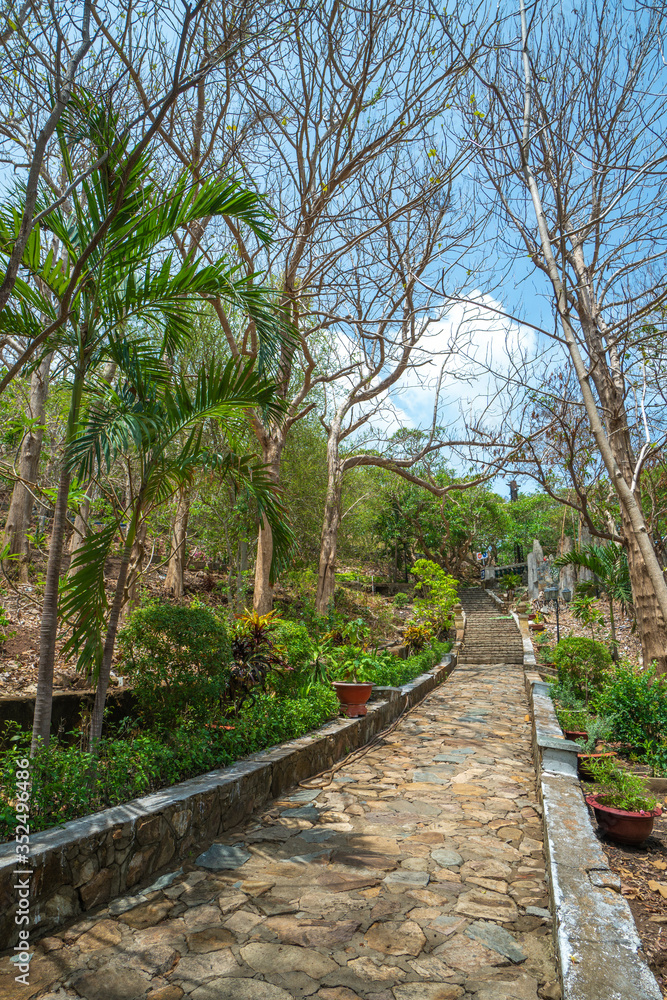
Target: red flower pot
(575,734)
(622,826)
(536,626)
(353,697)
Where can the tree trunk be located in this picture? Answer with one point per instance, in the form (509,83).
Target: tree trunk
(272,448)
(41,728)
(650,621)
(130,599)
(612,629)
(174,581)
(326,577)
(81,525)
(20,507)
(79,533)
(97,718)
(132,549)
(239,597)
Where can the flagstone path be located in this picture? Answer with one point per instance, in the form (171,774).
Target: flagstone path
(417,874)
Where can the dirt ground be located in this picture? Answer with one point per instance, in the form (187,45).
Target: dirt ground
(643,872)
(19,655)
(629,645)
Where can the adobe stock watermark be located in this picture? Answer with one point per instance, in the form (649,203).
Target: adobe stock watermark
(23,872)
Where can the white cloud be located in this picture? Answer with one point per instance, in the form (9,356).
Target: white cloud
(480,349)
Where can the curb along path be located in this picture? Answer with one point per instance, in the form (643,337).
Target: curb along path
(417,874)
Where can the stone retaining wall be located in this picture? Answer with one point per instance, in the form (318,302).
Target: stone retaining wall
(85,863)
(596,942)
(68,708)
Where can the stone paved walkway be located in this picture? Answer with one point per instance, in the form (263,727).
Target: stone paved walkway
(417,874)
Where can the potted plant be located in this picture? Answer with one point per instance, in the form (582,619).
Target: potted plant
(355,686)
(573,722)
(537,625)
(597,730)
(623,809)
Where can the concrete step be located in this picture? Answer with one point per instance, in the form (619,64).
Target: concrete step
(490,636)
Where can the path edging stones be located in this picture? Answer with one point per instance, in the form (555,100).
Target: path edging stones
(84,863)
(597,946)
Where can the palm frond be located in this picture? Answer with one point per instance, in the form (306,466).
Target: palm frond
(84,603)
(608,563)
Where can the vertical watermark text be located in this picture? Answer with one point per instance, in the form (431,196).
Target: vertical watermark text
(22,872)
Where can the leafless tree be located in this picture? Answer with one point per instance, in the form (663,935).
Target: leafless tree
(566,117)
(383,342)
(349,100)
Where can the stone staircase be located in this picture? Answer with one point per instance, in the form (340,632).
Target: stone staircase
(489,636)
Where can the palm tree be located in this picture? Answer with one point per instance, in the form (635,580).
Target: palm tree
(609,565)
(119,283)
(154,416)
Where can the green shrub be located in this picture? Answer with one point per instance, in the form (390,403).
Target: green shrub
(345,663)
(356,632)
(438,595)
(178,660)
(392,672)
(401,600)
(137,763)
(359,667)
(510,582)
(636,701)
(572,719)
(296,641)
(582,665)
(416,635)
(5,633)
(585,610)
(255,656)
(597,729)
(654,753)
(566,696)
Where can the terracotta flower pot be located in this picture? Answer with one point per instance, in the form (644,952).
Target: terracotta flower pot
(622,826)
(575,734)
(353,697)
(536,626)
(582,759)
